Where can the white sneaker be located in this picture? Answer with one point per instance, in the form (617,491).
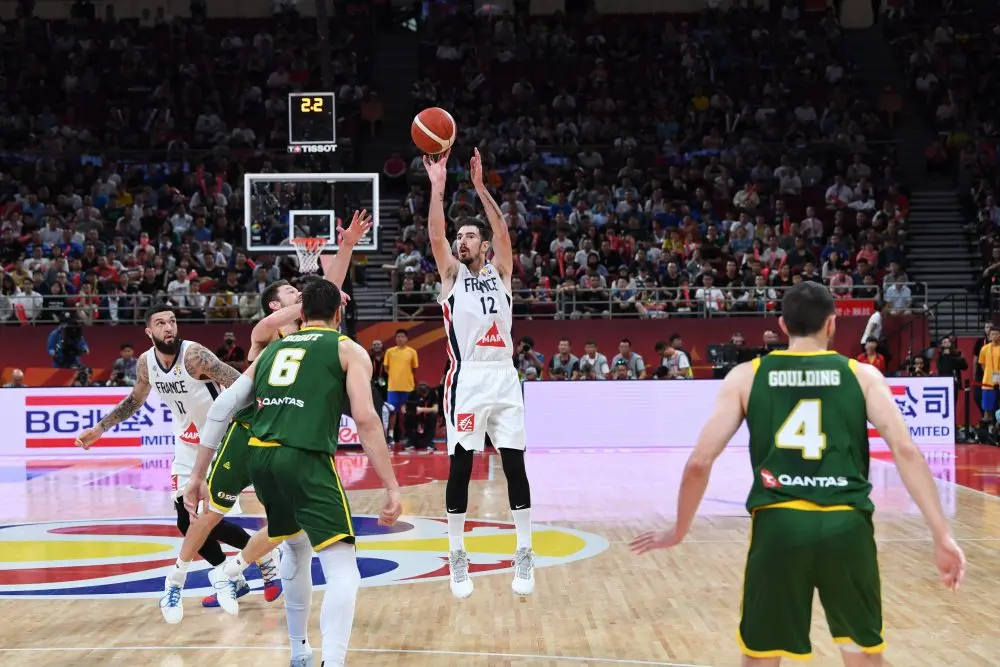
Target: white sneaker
(461,583)
(172,604)
(524,572)
(304,661)
(225,590)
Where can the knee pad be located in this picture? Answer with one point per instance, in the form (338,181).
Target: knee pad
(459,474)
(518,489)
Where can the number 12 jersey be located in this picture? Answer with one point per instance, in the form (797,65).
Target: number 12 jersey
(478,317)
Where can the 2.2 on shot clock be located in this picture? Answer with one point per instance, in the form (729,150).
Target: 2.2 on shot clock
(312,122)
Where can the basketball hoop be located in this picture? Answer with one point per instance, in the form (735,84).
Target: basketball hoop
(308,249)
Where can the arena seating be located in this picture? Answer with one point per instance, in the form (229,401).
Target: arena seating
(132,137)
(650,132)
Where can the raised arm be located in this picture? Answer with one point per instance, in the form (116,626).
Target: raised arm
(265,331)
(335,268)
(503,252)
(202,364)
(125,409)
(437,226)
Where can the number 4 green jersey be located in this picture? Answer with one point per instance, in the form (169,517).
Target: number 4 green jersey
(808,433)
(300,388)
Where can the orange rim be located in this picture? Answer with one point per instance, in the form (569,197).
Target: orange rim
(312,244)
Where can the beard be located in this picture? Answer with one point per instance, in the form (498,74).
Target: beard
(164,347)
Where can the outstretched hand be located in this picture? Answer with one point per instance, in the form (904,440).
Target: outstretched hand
(656,539)
(360,225)
(476,169)
(437,168)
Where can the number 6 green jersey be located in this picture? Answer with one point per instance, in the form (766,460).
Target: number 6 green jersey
(808,433)
(300,388)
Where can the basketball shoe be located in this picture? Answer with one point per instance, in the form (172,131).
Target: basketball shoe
(242,588)
(524,571)
(225,590)
(171,604)
(461,583)
(304,661)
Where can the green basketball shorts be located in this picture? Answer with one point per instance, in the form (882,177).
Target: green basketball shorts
(229,474)
(794,552)
(301,491)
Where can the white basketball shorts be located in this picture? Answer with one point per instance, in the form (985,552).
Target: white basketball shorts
(484,397)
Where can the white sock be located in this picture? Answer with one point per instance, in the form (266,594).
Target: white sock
(298,596)
(178,573)
(456,531)
(522,524)
(336,616)
(234,566)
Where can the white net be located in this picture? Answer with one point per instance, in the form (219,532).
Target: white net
(308,250)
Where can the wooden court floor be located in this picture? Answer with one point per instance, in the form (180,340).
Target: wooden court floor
(83,545)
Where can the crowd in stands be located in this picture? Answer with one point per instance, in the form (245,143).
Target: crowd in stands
(674,165)
(123,145)
(948,51)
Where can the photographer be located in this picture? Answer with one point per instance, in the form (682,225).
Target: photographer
(420,414)
(123,372)
(950,361)
(231,353)
(66,343)
(83,377)
(527,357)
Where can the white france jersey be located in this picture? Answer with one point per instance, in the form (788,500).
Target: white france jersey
(189,400)
(478,317)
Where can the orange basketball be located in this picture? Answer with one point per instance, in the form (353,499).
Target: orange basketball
(433,130)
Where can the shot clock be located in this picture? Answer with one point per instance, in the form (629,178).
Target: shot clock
(312,123)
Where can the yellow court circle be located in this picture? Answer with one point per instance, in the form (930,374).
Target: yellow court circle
(27,551)
(551,543)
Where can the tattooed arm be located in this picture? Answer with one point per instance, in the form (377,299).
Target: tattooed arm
(125,409)
(503,252)
(201,364)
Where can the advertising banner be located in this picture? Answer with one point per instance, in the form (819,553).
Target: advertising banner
(646,413)
(45,422)
(854,307)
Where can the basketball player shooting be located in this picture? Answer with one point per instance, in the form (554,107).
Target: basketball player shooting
(482,393)
(188,377)
(807,410)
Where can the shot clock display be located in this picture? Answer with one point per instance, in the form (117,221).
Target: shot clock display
(312,123)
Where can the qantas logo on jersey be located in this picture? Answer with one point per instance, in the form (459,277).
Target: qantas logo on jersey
(492,338)
(772,481)
(284,400)
(473,284)
(176,387)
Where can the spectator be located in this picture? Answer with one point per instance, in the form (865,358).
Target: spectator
(565,362)
(918,367)
(675,361)
(16,380)
(950,362)
(621,371)
(872,357)
(123,371)
(531,374)
(420,413)
(977,379)
(634,365)
(989,361)
(401,361)
(898,296)
(231,353)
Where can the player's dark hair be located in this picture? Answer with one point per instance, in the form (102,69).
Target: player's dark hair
(320,300)
(659,347)
(157,309)
(485,231)
(626,340)
(270,294)
(402,331)
(125,346)
(565,339)
(806,307)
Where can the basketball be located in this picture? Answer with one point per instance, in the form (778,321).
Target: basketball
(433,130)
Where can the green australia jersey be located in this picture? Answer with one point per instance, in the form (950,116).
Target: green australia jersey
(300,389)
(246,415)
(808,433)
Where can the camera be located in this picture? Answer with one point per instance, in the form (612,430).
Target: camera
(82,377)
